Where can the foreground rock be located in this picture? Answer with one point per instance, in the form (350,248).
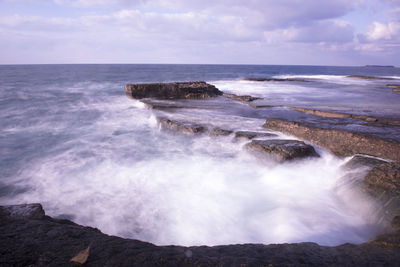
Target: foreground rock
(282,150)
(176,90)
(275,80)
(243,98)
(340,142)
(359,161)
(367,77)
(330,114)
(50,242)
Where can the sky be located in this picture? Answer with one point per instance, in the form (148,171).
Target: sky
(296,32)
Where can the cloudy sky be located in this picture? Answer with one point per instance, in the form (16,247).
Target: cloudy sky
(310,32)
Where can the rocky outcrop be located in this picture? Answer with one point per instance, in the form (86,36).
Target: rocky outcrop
(251,135)
(359,161)
(242,98)
(275,80)
(330,114)
(50,242)
(340,142)
(368,77)
(182,127)
(282,150)
(176,90)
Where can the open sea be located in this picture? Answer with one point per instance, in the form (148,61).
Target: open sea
(71,140)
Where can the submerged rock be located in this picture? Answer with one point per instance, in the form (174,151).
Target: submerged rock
(282,150)
(395,87)
(340,142)
(243,98)
(251,135)
(182,127)
(176,90)
(51,242)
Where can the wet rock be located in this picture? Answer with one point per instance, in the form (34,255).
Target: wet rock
(182,127)
(220,132)
(363,161)
(23,211)
(393,86)
(340,142)
(330,114)
(243,98)
(275,80)
(176,90)
(251,135)
(282,150)
(367,77)
(50,242)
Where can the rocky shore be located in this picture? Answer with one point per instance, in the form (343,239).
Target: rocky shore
(30,238)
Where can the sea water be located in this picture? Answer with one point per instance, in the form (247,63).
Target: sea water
(71,140)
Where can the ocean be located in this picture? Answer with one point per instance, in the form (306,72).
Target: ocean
(72,140)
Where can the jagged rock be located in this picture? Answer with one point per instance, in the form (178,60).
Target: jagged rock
(176,90)
(220,132)
(243,98)
(363,161)
(51,242)
(23,211)
(340,142)
(183,127)
(367,77)
(275,80)
(251,135)
(282,150)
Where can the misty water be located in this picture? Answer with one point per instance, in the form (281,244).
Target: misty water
(72,140)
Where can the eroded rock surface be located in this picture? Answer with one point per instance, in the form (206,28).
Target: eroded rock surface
(176,90)
(340,142)
(282,150)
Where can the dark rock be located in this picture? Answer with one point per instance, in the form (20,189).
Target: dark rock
(23,211)
(177,90)
(220,132)
(363,161)
(50,242)
(367,77)
(275,80)
(282,150)
(179,126)
(251,135)
(340,142)
(243,98)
